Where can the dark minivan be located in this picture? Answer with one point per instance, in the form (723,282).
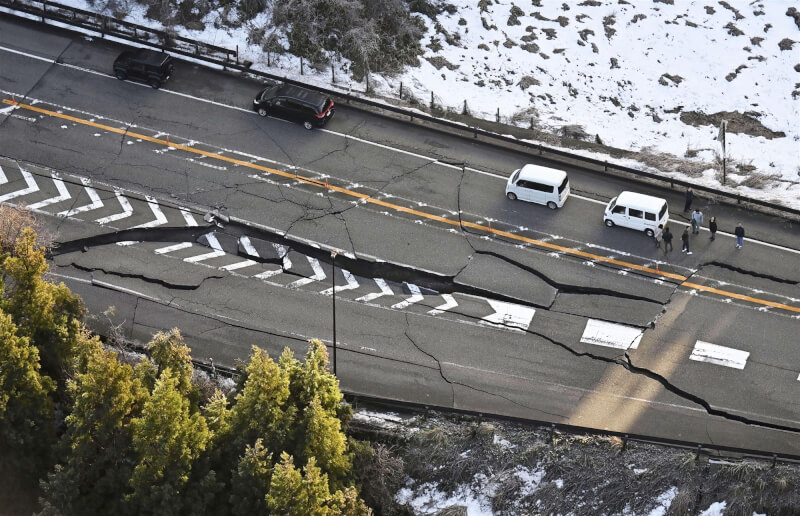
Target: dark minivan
(311,108)
(144,65)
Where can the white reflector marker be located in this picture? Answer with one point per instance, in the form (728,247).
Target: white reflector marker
(720,355)
(611,335)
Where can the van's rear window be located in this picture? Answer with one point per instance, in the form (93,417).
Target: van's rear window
(662,212)
(563,185)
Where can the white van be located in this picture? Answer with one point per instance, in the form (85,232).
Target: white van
(542,185)
(637,211)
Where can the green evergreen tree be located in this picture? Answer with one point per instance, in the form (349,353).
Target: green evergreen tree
(98,465)
(251,481)
(168,351)
(26,411)
(294,494)
(49,315)
(347,503)
(326,443)
(168,439)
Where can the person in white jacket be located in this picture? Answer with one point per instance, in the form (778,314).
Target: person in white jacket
(697,221)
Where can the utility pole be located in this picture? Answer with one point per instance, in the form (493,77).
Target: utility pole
(333,292)
(723,127)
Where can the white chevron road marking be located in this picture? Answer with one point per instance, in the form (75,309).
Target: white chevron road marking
(509,315)
(156,209)
(127,210)
(29,180)
(450,302)
(416,297)
(216,253)
(63,193)
(188,217)
(238,265)
(96,203)
(385,291)
(3,178)
(352,283)
(319,274)
(173,247)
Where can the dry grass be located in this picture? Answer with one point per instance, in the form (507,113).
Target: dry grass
(13,219)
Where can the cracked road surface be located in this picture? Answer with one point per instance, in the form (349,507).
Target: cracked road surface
(606,331)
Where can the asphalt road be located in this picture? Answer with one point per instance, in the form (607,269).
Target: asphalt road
(446,293)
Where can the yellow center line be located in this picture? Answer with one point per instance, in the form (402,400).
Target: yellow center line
(411,211)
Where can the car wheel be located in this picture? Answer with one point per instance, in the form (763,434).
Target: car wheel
(307,125)
(155,83)
(552,205)
(609,223)
(262,111)
(649,233)
(511,196)
(121,76)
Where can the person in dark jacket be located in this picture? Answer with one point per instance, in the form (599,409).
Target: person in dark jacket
(689,198)
(685,240)
(667,238)
(712,226)
(739,232)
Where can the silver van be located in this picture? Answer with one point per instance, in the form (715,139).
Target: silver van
(636,211)
(542,185)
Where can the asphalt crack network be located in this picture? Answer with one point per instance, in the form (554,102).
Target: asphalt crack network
(747,272)
(147,279)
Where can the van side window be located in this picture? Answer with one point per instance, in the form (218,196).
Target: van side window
(636,213)
(541,187)
(619,209)
(650,216)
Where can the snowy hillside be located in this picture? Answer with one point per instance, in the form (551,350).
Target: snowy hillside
(648,75)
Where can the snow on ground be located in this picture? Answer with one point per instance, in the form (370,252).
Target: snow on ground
(624,71)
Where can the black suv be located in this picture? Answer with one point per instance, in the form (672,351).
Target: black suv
(144,65)
(311,108)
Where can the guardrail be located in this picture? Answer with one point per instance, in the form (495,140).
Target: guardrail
(211,54)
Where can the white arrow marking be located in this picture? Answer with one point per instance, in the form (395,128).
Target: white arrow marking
(416,297)
(720,355)
(127,210)
(351,284)
(216,253)
(188,217)
(450,303)
(63,194)
(319,274)
(282,251)
(174,247)
(619,336)
(385,291)
(238,265)
(156,209)
(509,315)
(95,204)
(32,186)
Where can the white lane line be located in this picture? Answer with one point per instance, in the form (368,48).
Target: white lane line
(352,283)
(611,335)
(173,247)
(509,315)
(416,297)
(29,180)
(385,291)
(63,193)
(156,209)
(216,253)
(238,265)
(450,302)
(319,274)
(719,355)
(188,217)
(123,289)
(127,210)
(94,205)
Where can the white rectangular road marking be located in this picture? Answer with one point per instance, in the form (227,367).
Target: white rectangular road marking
(238,265)
(720,355)
(619,336)
(173,247)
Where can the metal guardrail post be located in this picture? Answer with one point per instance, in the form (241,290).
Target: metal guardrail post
(44,10)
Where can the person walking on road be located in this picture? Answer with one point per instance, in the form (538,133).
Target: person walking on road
(685,240)
(689,198)
(657,234)
(667,237)
(712,226)
(739,232)
(697,221)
